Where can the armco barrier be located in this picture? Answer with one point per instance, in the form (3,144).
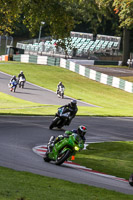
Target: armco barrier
(80,69)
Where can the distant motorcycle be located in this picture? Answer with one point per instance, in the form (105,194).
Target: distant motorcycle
(21,82)
(61,118)
(64,149)
(61,92)
(13,85)
(131,180)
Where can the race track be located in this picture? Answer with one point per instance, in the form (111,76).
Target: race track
(19,135)
(35,93)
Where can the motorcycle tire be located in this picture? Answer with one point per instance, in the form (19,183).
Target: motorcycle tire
(54,123)
(131,180)
(14,89)
(62,158)
(22,84)
(46,158)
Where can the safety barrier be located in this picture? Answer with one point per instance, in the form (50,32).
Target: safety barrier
(80,69)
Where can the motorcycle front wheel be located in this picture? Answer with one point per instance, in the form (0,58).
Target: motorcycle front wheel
(14,89)
(54,123)
(46,158)
(62,96)
(22,84)
(62,157)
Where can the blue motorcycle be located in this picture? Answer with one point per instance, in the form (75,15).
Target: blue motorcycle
(13,86)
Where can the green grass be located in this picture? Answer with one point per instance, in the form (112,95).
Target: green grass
(26,186)
(114,158)
(112,101)
(13,106)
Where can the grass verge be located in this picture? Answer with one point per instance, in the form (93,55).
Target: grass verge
(15,106)
(16,185)
(114,158)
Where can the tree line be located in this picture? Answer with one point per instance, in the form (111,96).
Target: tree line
(61,17)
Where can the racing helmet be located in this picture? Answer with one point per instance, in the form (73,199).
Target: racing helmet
(14,76)
(21,72)
(60,83)
(73,103)
(82,130)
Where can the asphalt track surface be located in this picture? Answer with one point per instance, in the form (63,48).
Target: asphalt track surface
(18,135)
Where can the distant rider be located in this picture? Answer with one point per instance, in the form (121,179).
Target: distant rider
(58,87)
(13,79)
(13,83)
(21,74)
(72,108)
(81,131)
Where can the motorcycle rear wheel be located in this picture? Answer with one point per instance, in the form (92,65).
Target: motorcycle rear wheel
(62,158)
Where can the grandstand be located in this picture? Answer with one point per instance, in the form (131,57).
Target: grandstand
(77,45)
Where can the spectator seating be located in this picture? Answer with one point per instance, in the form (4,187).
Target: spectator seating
(79,44)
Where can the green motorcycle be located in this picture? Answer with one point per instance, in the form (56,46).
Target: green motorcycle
(64,149)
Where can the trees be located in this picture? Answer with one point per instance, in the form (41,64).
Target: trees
(124,10)
(61,16)
(57,14)
(9,13)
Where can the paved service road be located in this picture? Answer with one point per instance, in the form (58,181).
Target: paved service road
(18,135)
(35,93)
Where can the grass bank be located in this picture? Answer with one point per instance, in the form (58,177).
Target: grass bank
(15,106)
(114,158)
(112,101)
(26,186)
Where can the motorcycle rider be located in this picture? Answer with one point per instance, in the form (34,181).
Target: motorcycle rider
(72,108)
(13,82)
(131,180)
(13,79)
(81,131)
(21,74)
(58,87)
